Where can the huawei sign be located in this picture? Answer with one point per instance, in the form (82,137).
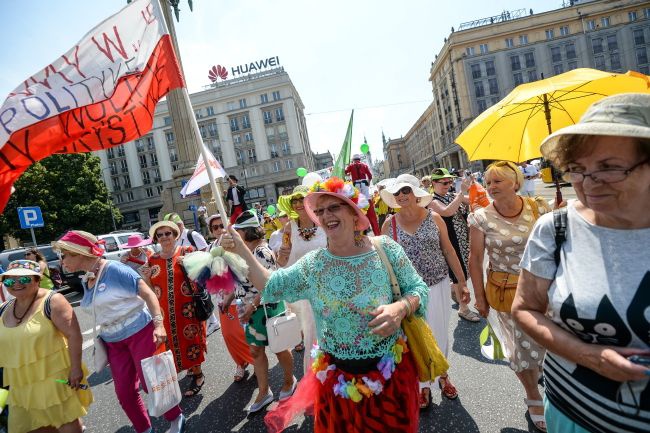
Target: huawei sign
(217,72)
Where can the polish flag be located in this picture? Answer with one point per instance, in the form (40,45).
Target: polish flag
(100,94)
(200,177)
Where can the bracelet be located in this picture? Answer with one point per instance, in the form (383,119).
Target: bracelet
(407,304)
(411,300)
(158,318)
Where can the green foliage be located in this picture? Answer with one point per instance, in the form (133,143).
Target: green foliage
(71,194)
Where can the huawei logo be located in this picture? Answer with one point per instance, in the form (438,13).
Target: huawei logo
(217,72)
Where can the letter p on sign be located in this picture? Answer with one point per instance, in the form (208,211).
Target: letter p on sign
(30,217)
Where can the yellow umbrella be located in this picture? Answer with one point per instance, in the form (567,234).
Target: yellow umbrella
(514,128)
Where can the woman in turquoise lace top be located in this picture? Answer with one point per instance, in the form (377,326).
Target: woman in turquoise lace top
(363,378)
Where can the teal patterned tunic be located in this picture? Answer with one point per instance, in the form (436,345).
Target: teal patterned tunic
(343,291)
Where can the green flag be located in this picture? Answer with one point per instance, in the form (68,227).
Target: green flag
(345,155)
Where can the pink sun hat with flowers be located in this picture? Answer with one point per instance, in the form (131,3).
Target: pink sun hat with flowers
(342,190)
(136,241)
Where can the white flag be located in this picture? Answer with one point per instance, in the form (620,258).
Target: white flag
(200,177)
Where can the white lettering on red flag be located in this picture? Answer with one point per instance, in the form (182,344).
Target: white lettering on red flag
(100,94)
(200,177)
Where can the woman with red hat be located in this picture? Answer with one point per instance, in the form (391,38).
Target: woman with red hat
(363,377)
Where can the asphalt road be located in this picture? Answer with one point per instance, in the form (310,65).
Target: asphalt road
(490,397)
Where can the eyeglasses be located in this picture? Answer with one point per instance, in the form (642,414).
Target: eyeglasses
(610,175)
(69,255)
(28,254)
(163,234)
(9,282)
(446,182)
(297,200)
(216,226)
(406,190)
(333,208)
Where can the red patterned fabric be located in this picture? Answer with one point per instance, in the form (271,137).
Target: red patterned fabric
(185,334)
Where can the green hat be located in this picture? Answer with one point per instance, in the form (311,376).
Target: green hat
(284,201)
(174,217)
(441,173)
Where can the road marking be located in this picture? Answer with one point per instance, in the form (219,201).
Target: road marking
(89,331)
(87,344)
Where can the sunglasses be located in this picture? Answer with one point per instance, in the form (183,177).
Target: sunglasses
(163,234)
(10,282)
(216,226)
(28,254)
(406,190)
(297,200)
(446,182)
(333,208)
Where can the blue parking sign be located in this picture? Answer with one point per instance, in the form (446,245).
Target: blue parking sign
(30,217)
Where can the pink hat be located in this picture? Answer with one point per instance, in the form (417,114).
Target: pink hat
(135,241)
(342,190)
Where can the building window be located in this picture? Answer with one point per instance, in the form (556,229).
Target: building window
(234,125)
(139,145)
(597,45)
(149,192)
(150,144)
(210,110)
(110,153)
(242,103)
(558,69)
(212,129)
(118,198)
(509,43)
(482,105)
(145,177)
(479,91)
(514,63)
(523,40)
(556,54)
(641,55)
(530,60)
(570,51)
(518,78)
(270,134)
(252,157)
(483,48)
(120,150)
(274,150)
(572,65)
(476,71)
(127,182)
(612,43)
(154,159)
(245,121)
(532,75)
(113,166)
(494,86)
(599,62)
(646,13)
(167,121)
(143,161)
(286,150)
(173,156)
(156,175)
(276,95)
(282,132)
(248,136)
(124,165)
(268,117)
(631,16)
(159,189)
(489,68)
(198,114)
(615,61)
(639,37)
(230,105)
(116,184)
(288,164)
(564,31)
(129,196)
(604,21)
(277,165)
(591,25)
(264,98)
(469,51)
(549,34)
(236,139)
(279,114)
(170,137)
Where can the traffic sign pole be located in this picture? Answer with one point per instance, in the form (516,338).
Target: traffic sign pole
(33,235)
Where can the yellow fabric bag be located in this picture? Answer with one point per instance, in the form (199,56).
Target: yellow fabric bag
(429,359)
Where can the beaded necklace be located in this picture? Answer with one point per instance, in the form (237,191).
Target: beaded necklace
(307,233)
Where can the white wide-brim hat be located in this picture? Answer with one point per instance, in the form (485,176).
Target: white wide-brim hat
(401,181)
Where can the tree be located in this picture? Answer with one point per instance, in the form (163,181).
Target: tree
(71,194)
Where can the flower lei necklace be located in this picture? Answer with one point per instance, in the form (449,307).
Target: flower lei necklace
(371,384)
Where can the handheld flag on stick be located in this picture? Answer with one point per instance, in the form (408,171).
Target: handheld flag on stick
(200,177)
(100,94)
(346,152)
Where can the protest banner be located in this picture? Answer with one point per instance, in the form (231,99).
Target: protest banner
(100,94)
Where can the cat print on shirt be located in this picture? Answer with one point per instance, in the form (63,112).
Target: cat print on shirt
(638,313)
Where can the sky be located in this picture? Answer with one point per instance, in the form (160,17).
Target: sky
(372,56)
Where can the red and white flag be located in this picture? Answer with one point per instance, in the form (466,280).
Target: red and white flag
(100,94)
(200,177)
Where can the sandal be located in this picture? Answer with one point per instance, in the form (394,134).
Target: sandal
(240,372)
(448,389)
(195,388)
(470,316)
(538,420)
(425,398)
(300,347)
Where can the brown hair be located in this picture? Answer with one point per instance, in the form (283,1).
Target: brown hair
(571,147)
(37,254)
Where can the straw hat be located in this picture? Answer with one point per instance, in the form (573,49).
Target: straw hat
(159,224)
(80,242)
(22,267)
(400,182)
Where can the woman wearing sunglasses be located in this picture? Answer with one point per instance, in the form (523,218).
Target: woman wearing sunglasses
(41,343)
(597,288)
(129,319)
(300,236)
(231,329)
(453,208)
(502,228)
(362,378)
(423,235)
(186,334)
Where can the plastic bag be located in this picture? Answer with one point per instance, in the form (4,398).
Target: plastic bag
(162,383)
(497,349)
(477,197)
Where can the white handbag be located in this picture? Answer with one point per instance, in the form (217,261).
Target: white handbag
(283,331)
(161,379)
(100,353)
